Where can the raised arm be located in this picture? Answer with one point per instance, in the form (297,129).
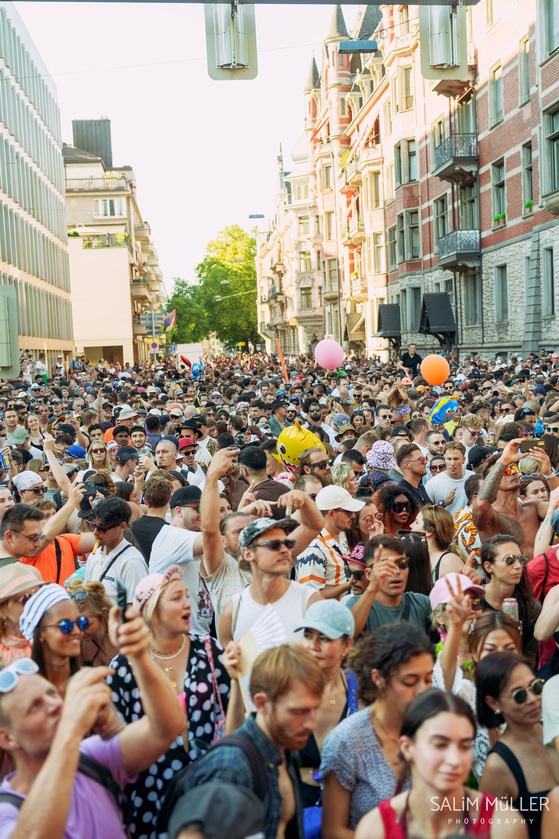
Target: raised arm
(548,620)
(214,552)
(544,536)
(44,813)
(144,741)
(58,472)
(311,518)
(484,516)
(377,573)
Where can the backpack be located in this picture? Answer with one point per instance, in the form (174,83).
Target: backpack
(87,766)
(180,783)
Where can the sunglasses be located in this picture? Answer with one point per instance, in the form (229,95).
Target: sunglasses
(9,676)
(473,433)
(99,527)
(321,464)
(511,470)
(276,544)
(551,429)
(512,559)
(66,626)
(521,695)
(98,451)
(401,562)
(36,490)
(401,506)
(312,496)
(440,468)
(79,596)
(357,575)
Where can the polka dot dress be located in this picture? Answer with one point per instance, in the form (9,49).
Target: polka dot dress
(143,798)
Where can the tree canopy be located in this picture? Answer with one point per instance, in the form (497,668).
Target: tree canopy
(227,271)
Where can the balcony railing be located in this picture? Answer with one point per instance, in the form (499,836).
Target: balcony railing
(456,157)
(461,247)
(356,227)
(96,184)
(352,173)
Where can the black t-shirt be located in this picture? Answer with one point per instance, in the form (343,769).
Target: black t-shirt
(411,362)
(145,530)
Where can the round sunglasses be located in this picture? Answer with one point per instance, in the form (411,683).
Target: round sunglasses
(521,694)
(66,626)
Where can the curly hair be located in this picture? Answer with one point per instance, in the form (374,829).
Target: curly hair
(384,499)
(385,650)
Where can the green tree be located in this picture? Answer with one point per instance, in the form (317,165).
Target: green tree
(192,322)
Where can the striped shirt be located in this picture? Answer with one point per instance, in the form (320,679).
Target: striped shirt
(324,562)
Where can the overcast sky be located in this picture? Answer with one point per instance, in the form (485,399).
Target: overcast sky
(203,152)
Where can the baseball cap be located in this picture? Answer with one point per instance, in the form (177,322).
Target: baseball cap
(329,617)
(126,453)
(334,497)
(175,413)
(186,441)
(400,431)
(440,593)
(358,553)
(339,420)
(18,437)
(221,809)
(478,453)
(186,497)
(406,381)
(76,451)
(259,526)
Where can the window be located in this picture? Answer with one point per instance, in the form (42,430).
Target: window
(327,177)
(552,150)
(305,265)
(499,195)
(108,207)
(343,107)
(489,12)
(551,25)
(394,94)
(408,88)
(404,17)
(527,181)
(471,283)
(408,241)
(438,132)
(329,226)
(377,253)
(441,217)
(501,294)
(524,70)
(412,160)
(403,310)
(415,309)
(331,274)
(304,225)
(469,217)
(496,105)
(548,283)
(390,182)
(306,298)
(392,254)
(317,226)
(398,164)
(374,190)
(387,117)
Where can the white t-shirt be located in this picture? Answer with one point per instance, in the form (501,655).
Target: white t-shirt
(175,546)
(439,487)
(224,583)
(40,368)
(128,569)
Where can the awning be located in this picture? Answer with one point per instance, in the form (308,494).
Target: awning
(388,321)
(437,317)
(354,327)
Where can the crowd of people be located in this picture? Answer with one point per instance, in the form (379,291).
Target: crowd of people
(266,598)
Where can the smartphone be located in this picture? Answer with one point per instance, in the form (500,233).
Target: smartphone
(527,445)
(121,601)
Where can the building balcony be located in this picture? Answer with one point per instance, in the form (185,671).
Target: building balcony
(460,249)
(370,155)
(356,228)
(140,330)
(456,158)
(97,185)
(353,175)
(277,294)
(331,295)
(140,289)
(105,240)
(142,231)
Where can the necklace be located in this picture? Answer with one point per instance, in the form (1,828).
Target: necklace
(168,657)
(332,692)
(387,733)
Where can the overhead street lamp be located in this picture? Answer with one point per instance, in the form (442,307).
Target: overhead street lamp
(218,297)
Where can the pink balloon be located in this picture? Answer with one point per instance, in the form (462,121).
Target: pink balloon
(328,354)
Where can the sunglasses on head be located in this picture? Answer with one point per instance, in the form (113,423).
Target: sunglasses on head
(9,676)
(521,695)
(276,544)
(401,506)
(511,559)
(79,596)
(66,626)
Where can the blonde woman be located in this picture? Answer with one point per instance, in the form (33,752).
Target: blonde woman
(36,435)
(91,600)
(98,456)
(344,476)
(438,526)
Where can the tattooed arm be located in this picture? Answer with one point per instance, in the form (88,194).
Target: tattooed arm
(484,515)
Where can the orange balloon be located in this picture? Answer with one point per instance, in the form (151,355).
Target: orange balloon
(435,369)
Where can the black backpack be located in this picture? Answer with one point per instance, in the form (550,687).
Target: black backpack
(180,782)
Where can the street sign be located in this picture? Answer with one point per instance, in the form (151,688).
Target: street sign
(151,317)
(154,345)
(172,347)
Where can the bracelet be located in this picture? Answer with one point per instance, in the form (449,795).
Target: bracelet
(550,476)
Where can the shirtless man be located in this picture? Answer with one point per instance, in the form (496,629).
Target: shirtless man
(497,507)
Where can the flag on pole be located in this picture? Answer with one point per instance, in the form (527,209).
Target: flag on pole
(170,320)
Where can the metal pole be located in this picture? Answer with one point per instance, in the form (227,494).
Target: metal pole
(153,333)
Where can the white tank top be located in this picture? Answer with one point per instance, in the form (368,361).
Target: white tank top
(290,609)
